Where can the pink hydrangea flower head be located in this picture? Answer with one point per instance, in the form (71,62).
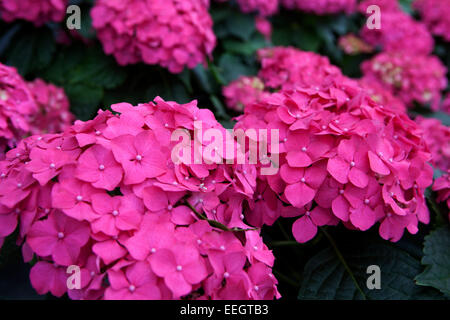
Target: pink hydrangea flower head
(29,108)
(110,196)
(442,187)
(174,34)
(36,11)
(17,106)
(436,15)
(343,158)
(410,77)
(321,7)
(285,67)
(399,32)
(437,137)
(54,115)
(382,95)
(263,7)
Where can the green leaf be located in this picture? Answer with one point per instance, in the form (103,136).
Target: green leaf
(98,69)
(241,26)
(232,67)
(84,100)
(7,36)
(326,278)
(307,40)
(282,36)
(437,260)
(31,50)
(204,78)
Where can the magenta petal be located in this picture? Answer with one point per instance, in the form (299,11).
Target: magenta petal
(42,245)
(155,199)
(109,251)
(340,208)
(290,174)
(358,177)
(377,165)
(45,277)
(363,218)
(339,169)
(61,198)
(195,272)
(8,223)
(182,215)
(176,282)
(299,194)
(321,216)
(163,262)
(65,254)
(148,291)
(298,159)
(304,229)
(106,224)
(138,246)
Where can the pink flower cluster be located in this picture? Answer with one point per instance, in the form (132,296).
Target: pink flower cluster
(17,106)
(37,11)
(382,95)
(436,15)
(399,32)
(437,138)
(172,33)
(106,195)
(243,92)
(442,186)
(284,67)
(29,108)
(321,7)
(264,27)
(410,77)
(54,114)
(263,7)
(343,158)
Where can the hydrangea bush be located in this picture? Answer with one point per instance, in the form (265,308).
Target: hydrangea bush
(223,150)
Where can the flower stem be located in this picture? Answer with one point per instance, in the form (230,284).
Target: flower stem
(341,258)
(286,243)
